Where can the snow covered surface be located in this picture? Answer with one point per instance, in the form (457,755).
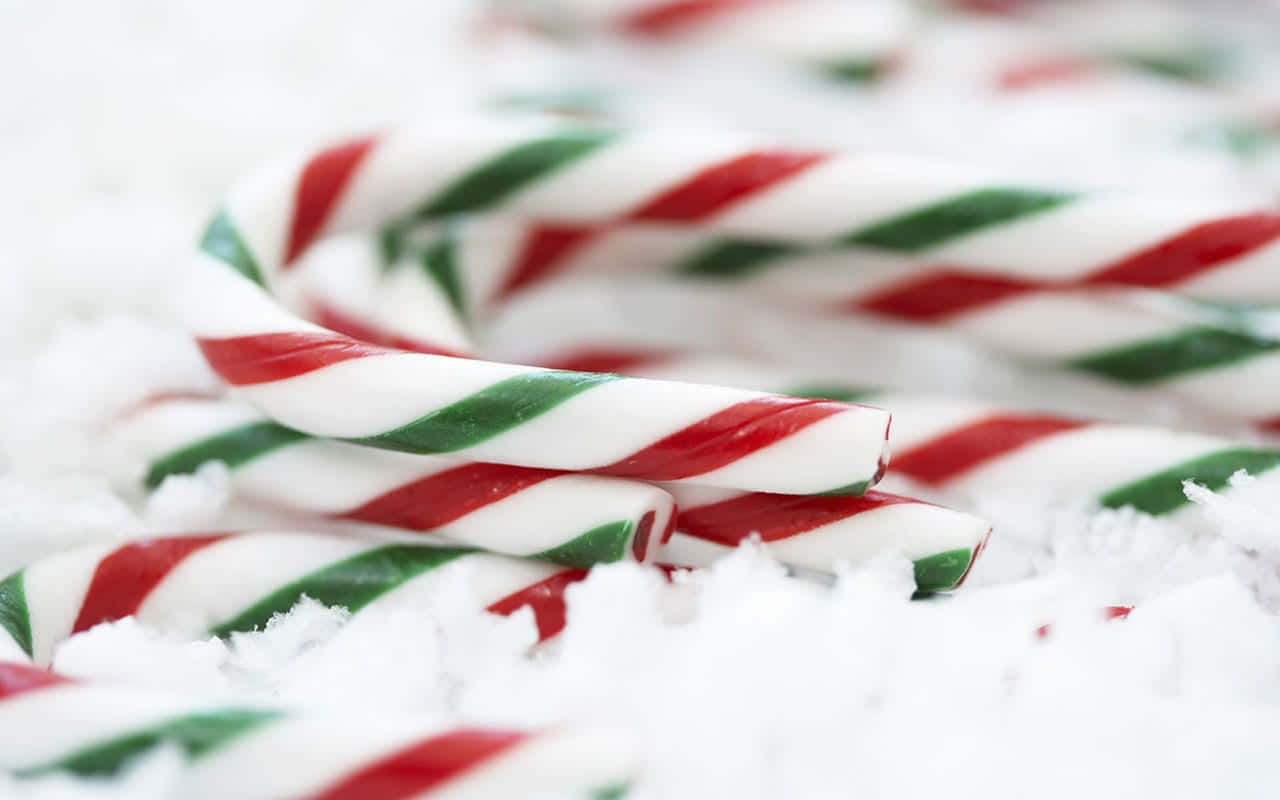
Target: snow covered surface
(124,122)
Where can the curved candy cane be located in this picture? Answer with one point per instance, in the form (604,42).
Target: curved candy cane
(330,385)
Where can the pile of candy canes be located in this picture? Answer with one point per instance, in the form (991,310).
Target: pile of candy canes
(379,407)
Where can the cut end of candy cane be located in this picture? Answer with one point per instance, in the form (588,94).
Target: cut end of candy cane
(818,534)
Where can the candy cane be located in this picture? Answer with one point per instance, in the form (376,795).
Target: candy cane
(970,448)
(570,519)
(271,464)
(54,724)
(1218,361)
(330,385)
(223,583)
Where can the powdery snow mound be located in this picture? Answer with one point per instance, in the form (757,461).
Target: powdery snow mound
(124,123)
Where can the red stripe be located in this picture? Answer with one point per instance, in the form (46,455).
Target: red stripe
(775,516)
(640,542)
(668,18)
(124,578)
(946,456)
(546,598)
(1039,73)
(441,498)
(541,253)
(1191,252)
(715,188)
(267,357)
(605,359)
(423,766)
(322,181)
(1199,249)
(335,320)
(707,192)
(937,294)
(1108,613)
(16,679)
(1271,425)
(723,438)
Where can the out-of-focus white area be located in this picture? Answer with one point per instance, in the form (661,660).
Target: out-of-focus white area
(123,123)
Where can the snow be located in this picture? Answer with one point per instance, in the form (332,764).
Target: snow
(124,122)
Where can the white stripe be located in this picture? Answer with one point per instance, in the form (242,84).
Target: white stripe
(412,304)
(809,460)
(221,580)
(161,429)
(571,762)
(215,301)
(374,394)
(914,530)
(1062,325)
(622,175)
(838,196)
(260,208)
(1078,236)
(1086,462)
(294,757)
(919,418)
(1248,279)
(553,512)
(53,722)
(607,423)
(55,588)
(410,166)
(328,477)
(1244,389)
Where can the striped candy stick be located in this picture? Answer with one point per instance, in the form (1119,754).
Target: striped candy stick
(738,209)
(330,385)
(969,447)
(839,40)
(54,724)
(1219,361)
(221,584)
(564,518)
(817,533)
(286,469)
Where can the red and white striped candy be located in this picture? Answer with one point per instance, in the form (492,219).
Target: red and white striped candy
(330,385)
(970,447)
(567,518)
(197,585)
(52,724)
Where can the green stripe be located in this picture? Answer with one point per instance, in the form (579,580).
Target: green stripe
(855,489)
(501,176)
(842,393)
(1162,492)
(1185,351)
(14,616)
(488,412)
(602,545)
(734,258)
(1195,64)
(941,571)
(439,261)
(352,584)
(222,241)
(614,791)
(196,734)
(234,447)
(955,217)
(853,70)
